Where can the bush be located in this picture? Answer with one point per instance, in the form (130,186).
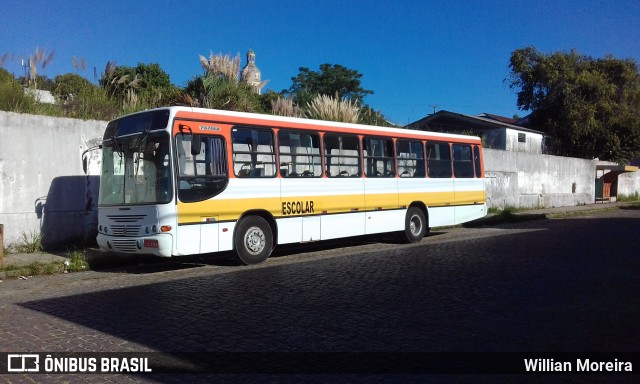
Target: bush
(12,96)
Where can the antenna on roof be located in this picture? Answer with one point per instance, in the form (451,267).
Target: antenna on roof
(434,106)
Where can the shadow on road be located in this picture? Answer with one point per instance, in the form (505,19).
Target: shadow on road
(143,264)
(570,288)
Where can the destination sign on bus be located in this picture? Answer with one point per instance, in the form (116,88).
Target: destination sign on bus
(297,207)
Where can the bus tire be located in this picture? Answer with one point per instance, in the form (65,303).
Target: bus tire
(253,240)
(415,226)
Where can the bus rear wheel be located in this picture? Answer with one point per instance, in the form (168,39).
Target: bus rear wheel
(253,240)
(415,226)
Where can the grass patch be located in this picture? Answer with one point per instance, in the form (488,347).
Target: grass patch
(77,260)
(28,243)
(34,269)
(632,197)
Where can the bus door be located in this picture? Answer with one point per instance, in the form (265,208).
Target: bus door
(202,175)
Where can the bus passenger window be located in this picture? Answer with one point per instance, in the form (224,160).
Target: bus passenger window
(379,158)
(299,154)
(476,160)
(342,155)
(462,161)
(410,158)
(253,152)
(438,160)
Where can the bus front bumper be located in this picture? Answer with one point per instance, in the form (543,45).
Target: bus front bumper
(159,245)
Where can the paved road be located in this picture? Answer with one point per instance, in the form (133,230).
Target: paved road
(548,285)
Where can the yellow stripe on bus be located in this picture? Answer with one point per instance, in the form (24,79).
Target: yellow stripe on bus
(232,209)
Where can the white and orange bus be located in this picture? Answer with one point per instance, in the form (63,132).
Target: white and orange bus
(184,181)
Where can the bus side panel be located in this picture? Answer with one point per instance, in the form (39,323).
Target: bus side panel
(466,213)
(289,230)
(188,239)
(209,237)
(225,236)
(342,225)
(381,194)
(435,193)
(313,195)
(298,229)
(348,197)
(385,221)
(469,199)
(441,216)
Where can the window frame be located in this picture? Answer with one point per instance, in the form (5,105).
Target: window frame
(199,187)
(327,157)
(388,144)
(461,169)
(251,171)
(415,167)
(319,155)
(439,161)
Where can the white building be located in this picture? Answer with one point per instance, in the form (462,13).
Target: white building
(497,132)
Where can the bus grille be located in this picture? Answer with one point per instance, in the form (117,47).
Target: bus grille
(125,230)
(124,245)
(126,218)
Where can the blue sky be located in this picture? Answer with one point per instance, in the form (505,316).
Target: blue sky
(413,54)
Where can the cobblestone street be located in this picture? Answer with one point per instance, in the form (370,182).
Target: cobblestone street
(566,285)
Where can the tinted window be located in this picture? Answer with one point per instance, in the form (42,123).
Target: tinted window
(476,161)
(438,160)
(462,161)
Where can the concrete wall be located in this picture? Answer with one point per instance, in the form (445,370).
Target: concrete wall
(522,179)
(629,183)
(42,183)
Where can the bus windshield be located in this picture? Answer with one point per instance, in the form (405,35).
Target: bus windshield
(136,170)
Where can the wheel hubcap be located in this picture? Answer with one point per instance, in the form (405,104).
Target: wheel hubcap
(415,225)
(254,240)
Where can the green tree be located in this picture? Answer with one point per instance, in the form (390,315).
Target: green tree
(589,107)
(332,80)
(70,84)
(145,79)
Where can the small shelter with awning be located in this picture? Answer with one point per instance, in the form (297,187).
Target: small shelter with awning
(607,180)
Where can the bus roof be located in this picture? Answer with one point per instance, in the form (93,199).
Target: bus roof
(274,121)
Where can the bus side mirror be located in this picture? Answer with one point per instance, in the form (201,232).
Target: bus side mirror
(85,164)
(196,144)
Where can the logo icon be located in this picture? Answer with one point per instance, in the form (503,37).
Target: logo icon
(23,362)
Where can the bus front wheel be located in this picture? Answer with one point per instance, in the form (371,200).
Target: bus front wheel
(253,240)
(415,226)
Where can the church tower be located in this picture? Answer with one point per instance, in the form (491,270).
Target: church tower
(251,74)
